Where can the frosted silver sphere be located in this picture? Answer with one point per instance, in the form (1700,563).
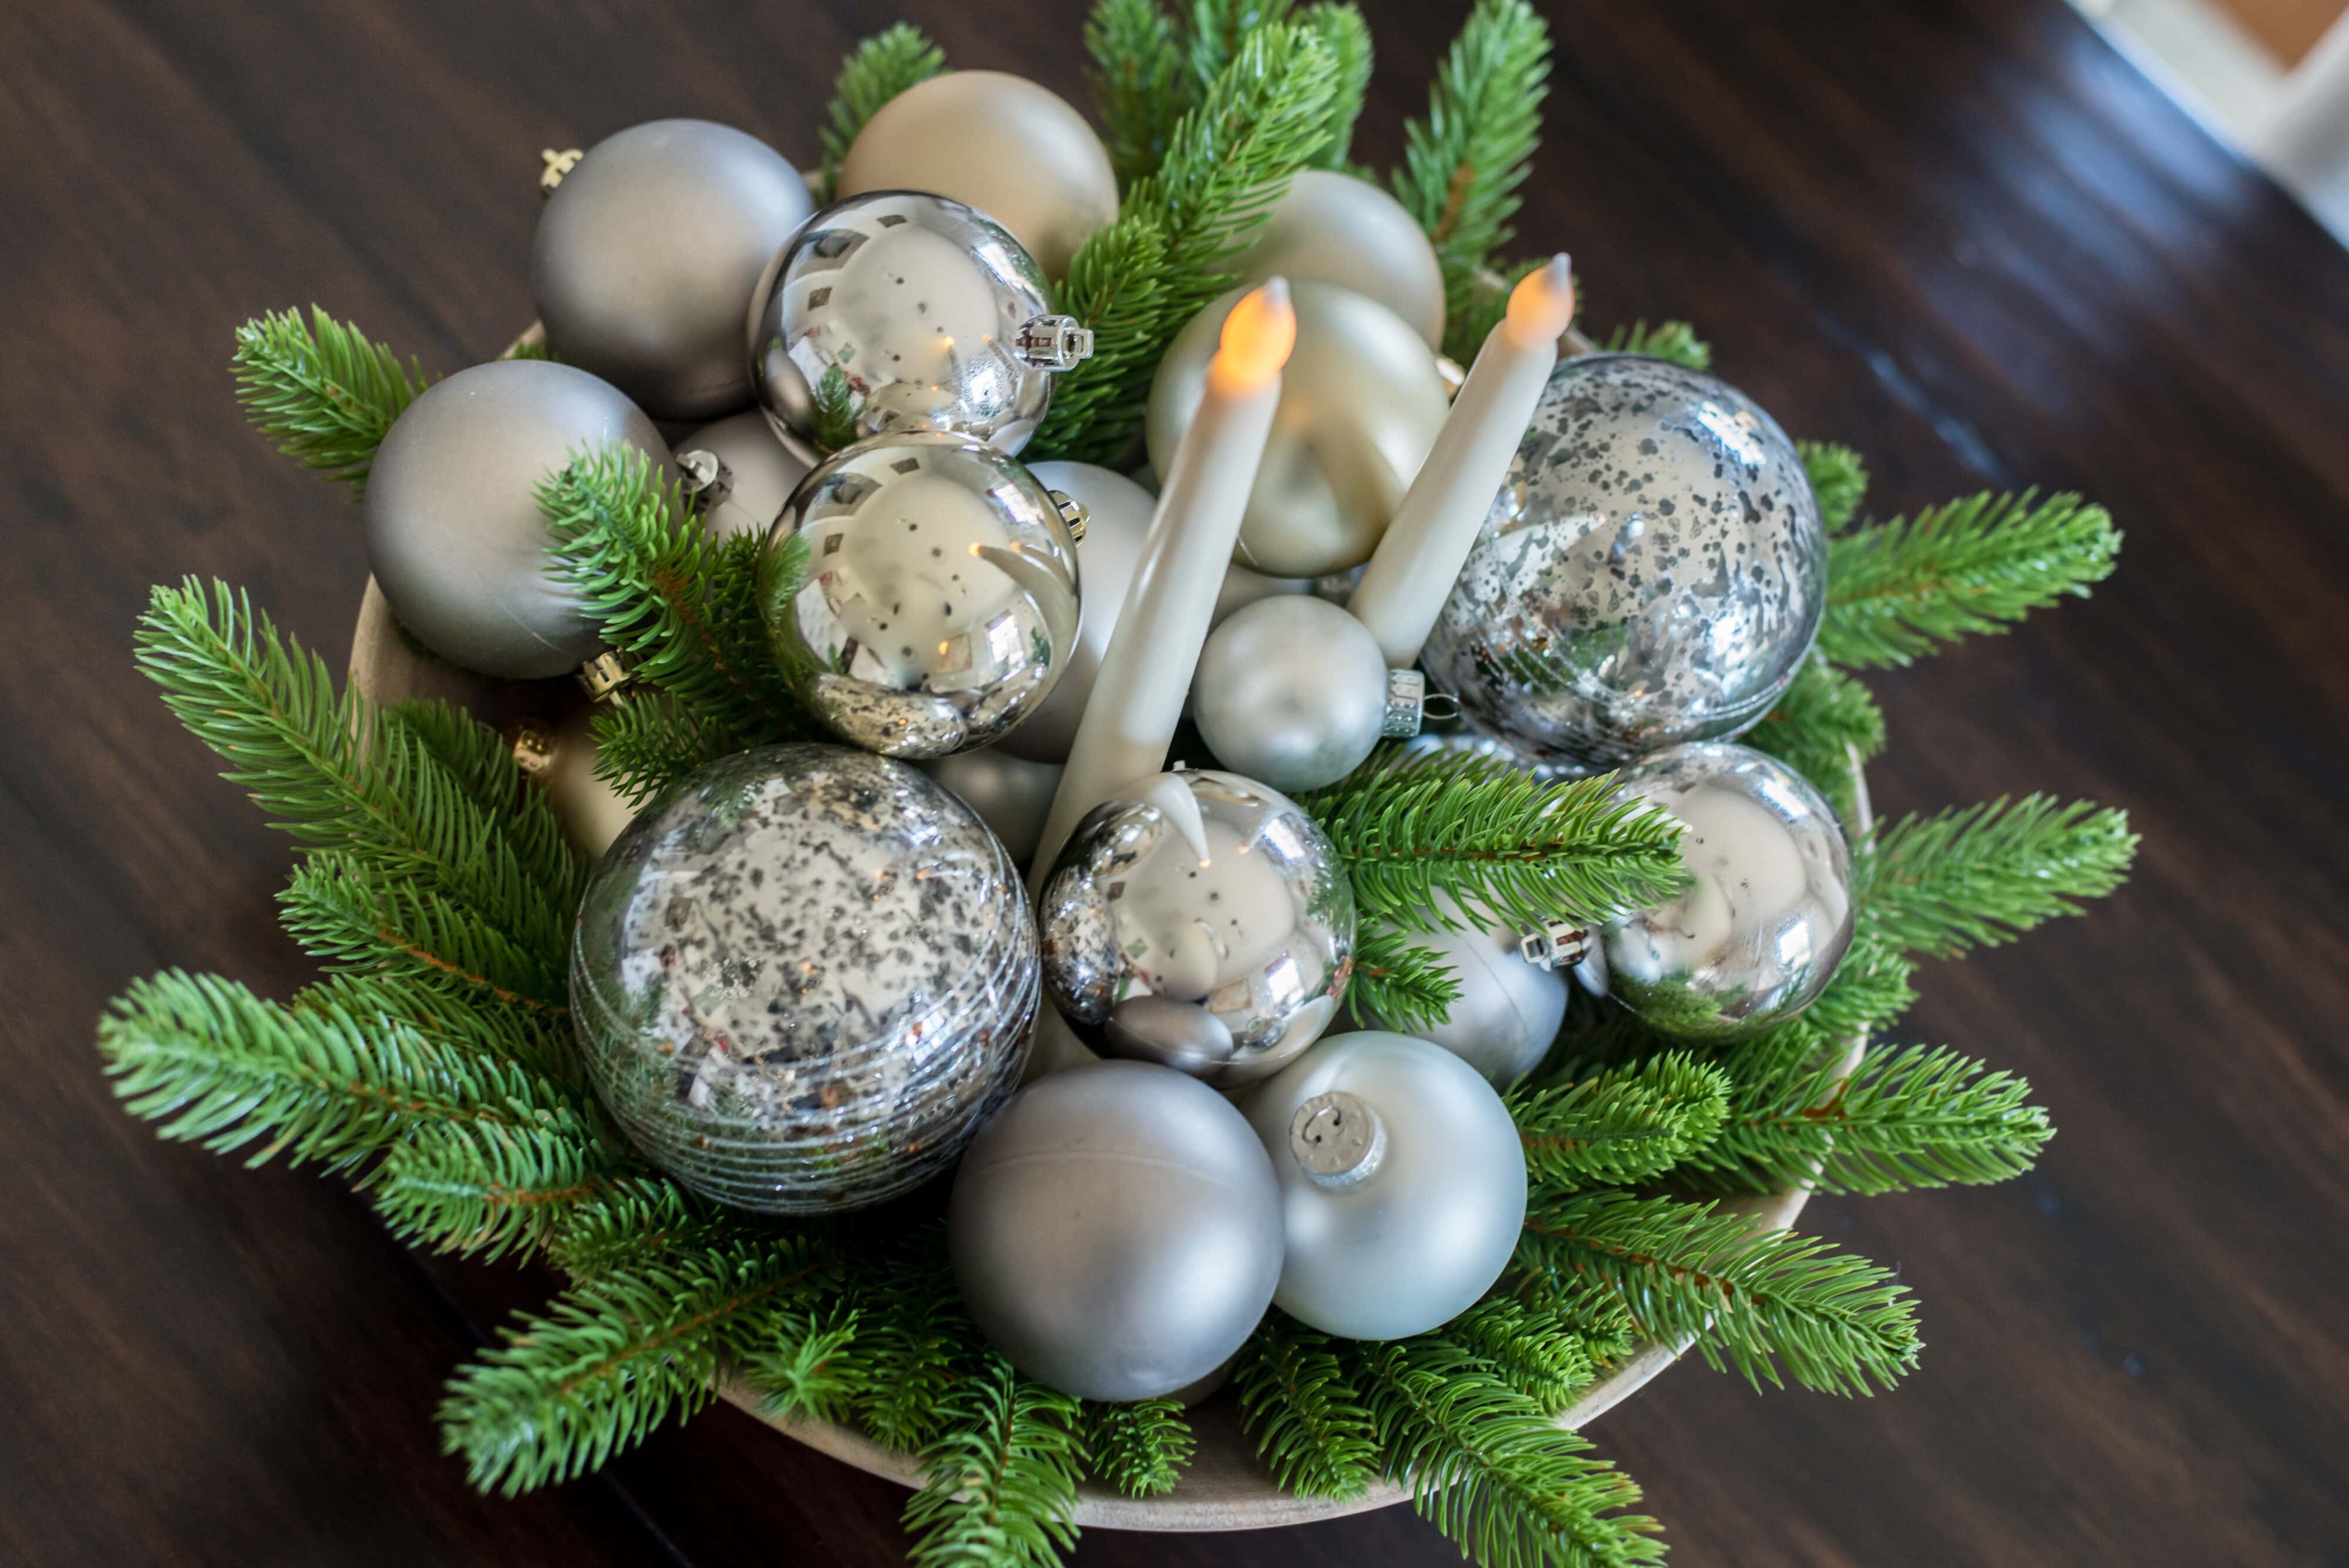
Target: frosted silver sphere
(1291,690)
(1117,522)
(648,252)
(1768,914)
(757,474)
(1509,1011)
(1402,1184)
(920,594)
(1012,795)
(1202,887)
(1116,1231)
(1652,570)
(1336,228)
(803,980)
(932,316)
(454,536)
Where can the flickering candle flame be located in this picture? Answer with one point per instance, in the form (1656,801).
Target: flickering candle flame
(1258,337)
(1542,305)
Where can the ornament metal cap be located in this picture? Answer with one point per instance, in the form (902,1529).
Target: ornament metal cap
(1561,944)
(1072,511)
(533,748)
(1336,1139)
(707,478)
(605,675)
(1406,703)
(1054,342)
(558,164)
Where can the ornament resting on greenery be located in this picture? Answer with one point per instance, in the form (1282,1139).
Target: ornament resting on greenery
(920,594)
(1116,1231)
(646,255)
(1334,228)
(1117,521)
(1209,891)
(1012,795)
(804,979)
(1402,1184)
(1653,570)
(757,473)
(454,534)
(1292,690)
(899,312)
(561,759)
(1508,1011)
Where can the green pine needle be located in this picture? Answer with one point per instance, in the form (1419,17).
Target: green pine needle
(542,1042)
(1139,81)
(1399,984)
(1348,38)
(352,920)
(1674,341)
(1312,1430)
(1530,1350)
(1620,1125)
(1839,478)
(480,762)
(634,1220)
(999,1482)
(1215,31)
(1140,1449)
(488,1189)
(1824,724)
(877,70)
(1977,877)
(806,1366)
(324,391)
(920,1343)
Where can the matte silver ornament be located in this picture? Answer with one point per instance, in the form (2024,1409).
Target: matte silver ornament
(1653,571)
(454,536)
(648,253)
(1291,690)
(1116,1231)
(804,980)
(1769,915)
(1117,520)
(1202,887)
(1509,1009)
(920,594)
(1012,795)
(933,316)
(757,473)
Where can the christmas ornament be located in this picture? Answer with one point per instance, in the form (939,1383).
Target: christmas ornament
(561,758)
(1768,914)
(1402,1184)
(921,594)
(1116,1231)
(1360,405)
(803,980)
(454,536)
(1336,228)
(1653,571)
(1242,588)
(646,255)
(756,474)
(1206,888)
(1011,795)
(1015,150)
(920,313)
(1292,690)
(1117,521)
(1509,1009)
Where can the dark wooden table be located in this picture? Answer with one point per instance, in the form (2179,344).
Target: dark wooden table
(1968,238)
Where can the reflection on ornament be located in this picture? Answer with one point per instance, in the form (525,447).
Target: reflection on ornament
(1117,522)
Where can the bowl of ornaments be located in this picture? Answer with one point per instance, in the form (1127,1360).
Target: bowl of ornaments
(1084,808)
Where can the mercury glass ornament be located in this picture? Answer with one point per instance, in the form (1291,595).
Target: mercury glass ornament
(1768,915)
(1294,691)
(454,536)
(1012,795)
(1402,1184)
(646,255)
(1340,229)
(1653,571)
(1204,889)
(1116,1231)
(1117,521)
(932,316)
(1509,1011)
(803,980)
(920,594)
(756,474)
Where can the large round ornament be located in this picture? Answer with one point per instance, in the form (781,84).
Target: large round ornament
(1653,571)
(1116,1231)
(454,536)
(1509,1011)
(1768,914)
(646,255)
(1117,522)
(1206,890)
(925,313)
(1402,1184)
(1361,401)
(1015,150)
(1340,229)
(1012,795)
(803,980)
(920,594)
(757,474)
(1291,690)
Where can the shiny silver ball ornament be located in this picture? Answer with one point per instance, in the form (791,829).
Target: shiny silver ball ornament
(755,475)
(1012,795)
(932,317)
(1768,914)
(454,536)
(1117,521)
(1509,1011)
(1653,571)
(1336,228)
(803,980)
(646,255)
(1116,1231)
(1402,1184)
(920,594)
(1291,690)
(1204,889)
(1361,401)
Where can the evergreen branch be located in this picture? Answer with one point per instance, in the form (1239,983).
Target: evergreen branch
(1119,284)
(877,70)
(1139,1449)
(491,1189)
(481,762)
(1400,984)
(1311,1428)
(1895,589)
(807,1365)
(1872,988)
(632,1222)
(1216,32)
(1529,1350)
(1824,726)
(541,1042)
(353,920)
(1623,1125)
(1977,877)
(1138,82)
(1674,341)
(1347,37)
(651,741)
(999,1482)
(1839,478)
(917,1351)
(324,391)
(1483,305)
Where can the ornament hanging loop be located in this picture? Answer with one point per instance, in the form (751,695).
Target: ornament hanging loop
(1054,342)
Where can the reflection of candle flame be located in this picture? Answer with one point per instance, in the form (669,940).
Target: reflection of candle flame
(1542,303)
(1257,339)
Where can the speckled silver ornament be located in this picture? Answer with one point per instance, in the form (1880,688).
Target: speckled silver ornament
(1202,887)
(757,474)
(804,980)
(1769,917)
(1291,690)
(920,594)
(934,316)
(1652,570)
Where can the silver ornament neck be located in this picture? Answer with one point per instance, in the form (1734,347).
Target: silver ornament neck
(1054,342)
(707,478)
(1561,944)
(1406,704)
(1337,1140)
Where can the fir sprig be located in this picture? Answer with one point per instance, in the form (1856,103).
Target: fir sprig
(541,1042)
(1824,726)
(1620,1125)
(1398,982)
(341,913)
(1839,478)
(1138,79)
(921,1342)
(1311,1429)
(492,1189)
(1140,1449)
(480,762)
(323,391)
(877,70)
(1348,38)
(1674,341)
(1531,1351)
(999,1482)
(1939,885)
(806,1368)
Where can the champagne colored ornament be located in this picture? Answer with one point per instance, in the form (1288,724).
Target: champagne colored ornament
(562,759)
(1361,402)
(1117,523)
(1011,795)
(1336,228)
(1293,692)
(1116,1231)
(1653,571)
(1015,150)
(454,536)
(646,255)
(1205,890)
(757,473)
(1509,1011)
(920,312)
(1402,1184)
(1768,914)
(920,594)
(804,980)
(1242,588)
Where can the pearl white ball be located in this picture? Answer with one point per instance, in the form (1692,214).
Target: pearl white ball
(1117,522)
(1341,230)
(1292,692)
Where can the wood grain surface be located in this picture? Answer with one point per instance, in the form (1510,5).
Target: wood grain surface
(1967,238)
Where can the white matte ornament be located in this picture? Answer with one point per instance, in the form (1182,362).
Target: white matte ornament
(1509,1011)
(760,472)
(1117,522)
(1339,229)
(1291,691)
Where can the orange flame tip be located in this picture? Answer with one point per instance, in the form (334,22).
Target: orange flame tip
(1258,337)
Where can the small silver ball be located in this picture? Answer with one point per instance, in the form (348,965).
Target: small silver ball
(761,474)
(1291,690)
(1183,1035)
(1509,1011)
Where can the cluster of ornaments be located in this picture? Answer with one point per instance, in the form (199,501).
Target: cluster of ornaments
(808,977)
